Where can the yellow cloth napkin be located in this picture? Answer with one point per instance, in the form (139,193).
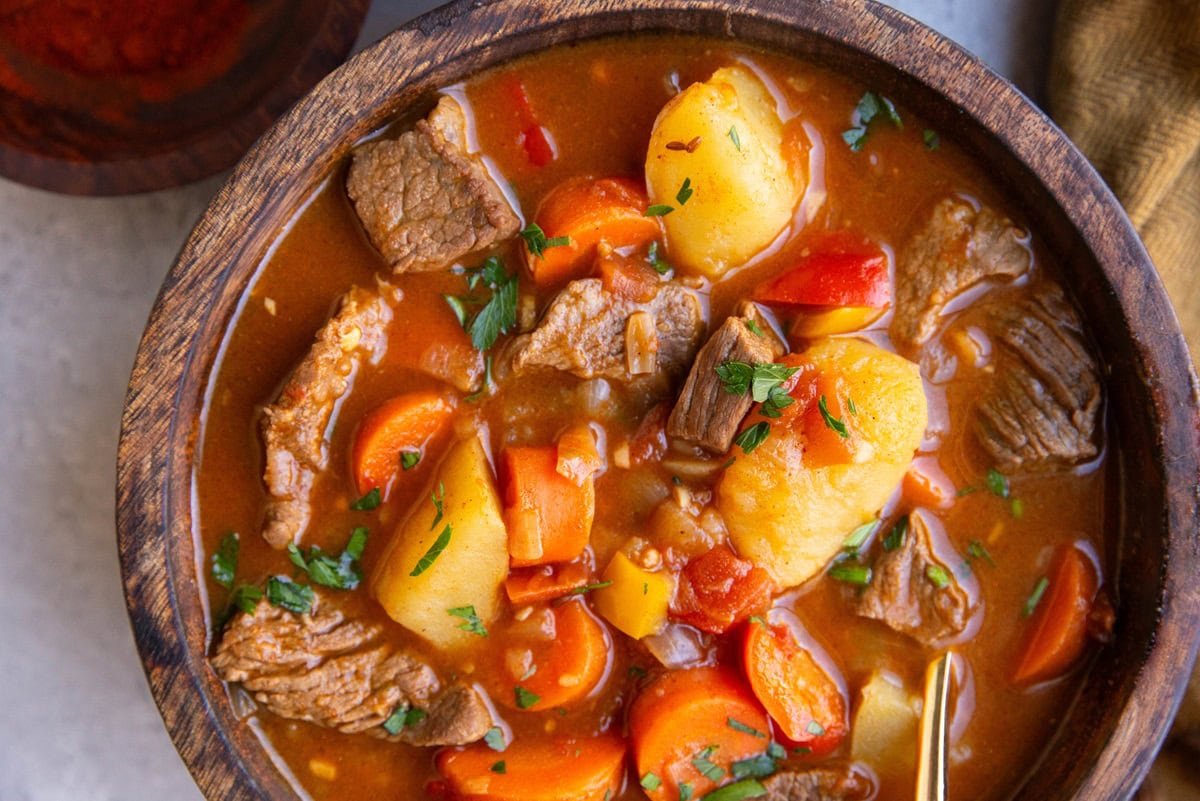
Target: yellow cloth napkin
(1125,86)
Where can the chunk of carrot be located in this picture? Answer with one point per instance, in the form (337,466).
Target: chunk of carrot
(687,720)
(553,667)
(807,703)
(925,484)
(413,423)
(549,515)
(587,212)
(1058,632)
(537,769)
(531,585)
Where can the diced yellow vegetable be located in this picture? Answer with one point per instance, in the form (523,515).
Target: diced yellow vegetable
(743,189)
(884,732)
(636,602)
(824,322)
(469,569)
(791,519)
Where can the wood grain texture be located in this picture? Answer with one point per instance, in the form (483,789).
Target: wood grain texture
(1125,704)
(178,141)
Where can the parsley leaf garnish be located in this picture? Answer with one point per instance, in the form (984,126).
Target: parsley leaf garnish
(525,698)
(977,551)
(368,502)
(435,550)
(932,140)
(409,459)
(224,561)
(342,573)
(402,718)
(895,537)
(733,136)
(246,598)
(815,729)
(685,192)
(869,108)
(495,739)
(497,317)
(834,424)
(589,587)
(660,266)
(287,594)
(659,210)
(1035,597)
(707,769)
(737,725)
(650,782)
(938,576)
(755,767)
(685,791)
(997,483)
(753,328)
(500,767)
(536,241)
(851,573)
(857,537)
(752,437)
(473,624)
(738,791)
(438,496)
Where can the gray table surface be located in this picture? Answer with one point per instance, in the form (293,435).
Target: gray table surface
(77,279)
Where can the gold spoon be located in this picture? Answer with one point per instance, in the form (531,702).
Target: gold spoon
(932,761)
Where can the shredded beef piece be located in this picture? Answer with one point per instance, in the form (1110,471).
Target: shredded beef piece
(336,672)
(818,784)
(585,329)
(903,596)
(423,200)
(957,249)
(294,427)
(1041,409)
(705,413)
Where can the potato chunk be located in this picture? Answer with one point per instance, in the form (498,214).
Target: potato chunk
(725,139)
(885,723)
(791,518)
(470,567)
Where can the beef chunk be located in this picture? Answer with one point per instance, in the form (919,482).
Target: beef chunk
(592,333)
(957,249)
(818,784)
(423,200)
(294,427)
(705,413)
(337,672)
(1041,409)
(903,595)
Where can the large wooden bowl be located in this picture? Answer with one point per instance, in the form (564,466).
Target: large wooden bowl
(1125,703)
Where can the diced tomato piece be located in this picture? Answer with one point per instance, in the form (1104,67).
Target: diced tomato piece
(717,590)
(842,270)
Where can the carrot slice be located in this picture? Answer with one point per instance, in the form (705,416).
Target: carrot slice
(805,701)
(586,212)
(537,769)
(411,424)
(688,720)
(533,585)
(1059,630)
(549,515)
(925,484)
(546,667)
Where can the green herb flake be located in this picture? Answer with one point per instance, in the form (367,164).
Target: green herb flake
(850,407)
(409,459)
(496,317)
(525,698)
(1035,597)
(834,424)
(752,437)
(737,725)
(659,210)
(755,767)
(438,497)
(754,329)
(738,791)
(224,561)
(859,536)
(458,307)
(685,192)
(287,594)
(636,671)
(599,585)
(758,621)
(499,767)
(815,729)
(246,598)
(932,140)
(650,782)
(1017,507)
(433,553)
(776,751)
(895,537)
(851,573)
(473,624)
(997,483)
(855,137)
(495,739)
(368,502)
(965,491)
(660,266)
(870,107)
(937,576)
(733,137)
(342,573)
(536,241)
(977,551)
(685,791)
(395,722)
(706,767)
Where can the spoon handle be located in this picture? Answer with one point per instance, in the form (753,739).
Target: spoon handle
(931,769)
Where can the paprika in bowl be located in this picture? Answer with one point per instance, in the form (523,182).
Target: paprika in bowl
(106,97)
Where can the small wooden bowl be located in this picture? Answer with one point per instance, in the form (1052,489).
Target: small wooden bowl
(1126,701)
(114,136)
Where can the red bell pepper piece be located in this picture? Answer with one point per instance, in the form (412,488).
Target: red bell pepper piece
(842,270)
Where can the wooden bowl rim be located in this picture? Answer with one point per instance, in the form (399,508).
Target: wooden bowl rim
(206,153)
(178,347)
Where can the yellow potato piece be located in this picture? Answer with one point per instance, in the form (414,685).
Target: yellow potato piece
(471,566)
(791,519)
(824,322)
(884,732)
(743,192)
(636,602)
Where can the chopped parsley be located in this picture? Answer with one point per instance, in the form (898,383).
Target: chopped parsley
(498,314)
(851,573)
(895,537)
(967,490)
(706,767)
(246,597)
(500,767)
(368,502)
(536,241)
(287,594)
(815,729)
(438,496)
(1017,507)
(753,328)
(1035,597)
(224,561)
(932,140)
(997,483)
(342,573)
(857,537)
(760,380)
(660,265)
(525,698)
(409,459)
(850,407)
(834,424)
(637,671)
(459,307)
(685,192)
(487,381)
(659,210)
(473,623)
(435,550)
(776,751)
(937,576)
(752,437)
(495,739)
(977,551)
(870,107)
(589,587)
(402,718)
(685,791)
(737,725)
(755,767)
(650,782)
(746,788)
(733,137)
